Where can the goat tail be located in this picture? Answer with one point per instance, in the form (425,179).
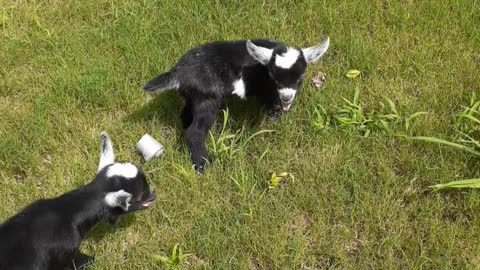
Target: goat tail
(164,81)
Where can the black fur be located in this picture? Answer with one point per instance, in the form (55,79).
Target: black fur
(47,233)
(205,76)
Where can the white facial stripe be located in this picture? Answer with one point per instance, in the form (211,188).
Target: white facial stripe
(287,59)
(127,170)
(287,92)
(113,199)
(239,88)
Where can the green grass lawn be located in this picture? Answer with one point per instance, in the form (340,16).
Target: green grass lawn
(71,69)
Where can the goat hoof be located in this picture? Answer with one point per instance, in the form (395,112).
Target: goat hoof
(82,261)
(201,164)
(199,169)
(274,115)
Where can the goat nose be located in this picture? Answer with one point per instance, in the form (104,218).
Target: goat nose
(287,95)
(286,98)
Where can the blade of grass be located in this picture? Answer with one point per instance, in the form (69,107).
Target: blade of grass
(392,105)
(469,117)
(411,117)
(444,142)
(469,183)
(256,134)
(356,96)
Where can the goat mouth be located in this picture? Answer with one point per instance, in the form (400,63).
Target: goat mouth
(286,107)
(150,200)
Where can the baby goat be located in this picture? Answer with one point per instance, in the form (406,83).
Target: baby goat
(206,75)
(47,233)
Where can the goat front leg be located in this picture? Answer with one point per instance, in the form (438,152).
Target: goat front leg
(204,113)
(186,115)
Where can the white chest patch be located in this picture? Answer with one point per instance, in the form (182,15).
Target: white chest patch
(287,59)
(127,170)
(239,88)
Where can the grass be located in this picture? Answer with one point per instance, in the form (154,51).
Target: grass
(70,69)
(175,260)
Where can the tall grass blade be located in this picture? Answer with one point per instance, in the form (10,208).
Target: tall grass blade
(444,142)
(469,117)
(469,183)
(256,134)
(411,117)
(356,96)
(392,105)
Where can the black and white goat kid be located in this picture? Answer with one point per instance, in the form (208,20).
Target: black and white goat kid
(269,70)
(47,233)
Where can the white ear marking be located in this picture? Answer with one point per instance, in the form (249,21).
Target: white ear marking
(119,198)
(313,54)
(261,54)
(287,59)
(127,170)
(107,156)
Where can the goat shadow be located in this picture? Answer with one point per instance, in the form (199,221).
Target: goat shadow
(166,107)
(103,228)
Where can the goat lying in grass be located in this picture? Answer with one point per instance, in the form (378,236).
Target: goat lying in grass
(206,75)
(47,234)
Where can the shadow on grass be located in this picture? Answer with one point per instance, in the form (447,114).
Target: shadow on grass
(248,113)
(166,108)
(104,228)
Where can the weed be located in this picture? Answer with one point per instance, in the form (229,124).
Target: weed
(227,146)
(186,173)
(446,143)
(408,120)
(321,118)
(243,182)
(470,183)
(175,260)
(468,121)
(468,124)
(276,179)
(351,115)
(36,19)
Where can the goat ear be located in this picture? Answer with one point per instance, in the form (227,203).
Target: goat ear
(119,198)
(261,54)
(313,54)
(107,157)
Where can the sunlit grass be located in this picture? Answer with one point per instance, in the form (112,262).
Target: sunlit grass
(71,69)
